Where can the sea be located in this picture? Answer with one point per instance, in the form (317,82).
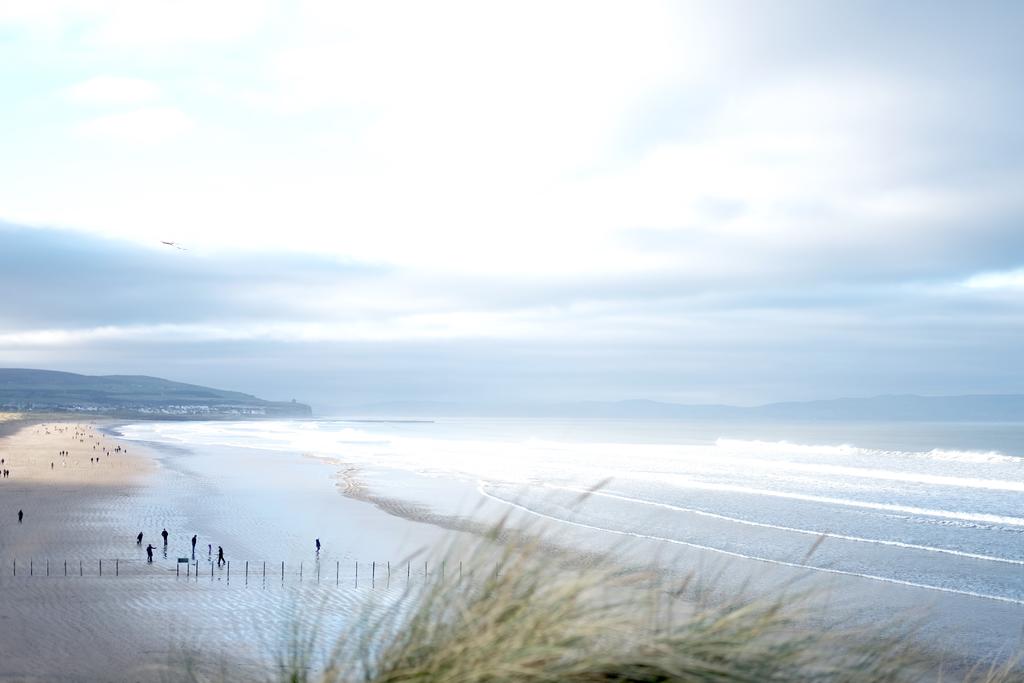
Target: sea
(935,507)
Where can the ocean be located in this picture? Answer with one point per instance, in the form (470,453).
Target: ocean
(938,507)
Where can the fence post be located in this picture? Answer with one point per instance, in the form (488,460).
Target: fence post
(264,571)
(15,567)
(65,567)
(300,571)
(80,573)
(408,571)
(373,574)
(389,570)
(30,567)
(282,571)
(47,567)
(101,567)
(247,572)
(229,571)
(211,571)
(117,567)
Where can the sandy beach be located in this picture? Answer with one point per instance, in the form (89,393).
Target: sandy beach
(63,619)
(79,601)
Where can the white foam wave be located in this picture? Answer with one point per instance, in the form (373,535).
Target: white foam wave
(730,553)
(879,474)
(846,502)
(808,532)
(759,447)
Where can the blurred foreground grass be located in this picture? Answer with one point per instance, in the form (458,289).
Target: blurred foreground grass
(529,623)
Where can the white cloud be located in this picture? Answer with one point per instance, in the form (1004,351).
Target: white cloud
(141,126)
(113,90)
(1008,279)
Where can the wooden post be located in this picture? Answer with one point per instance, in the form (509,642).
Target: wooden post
(264,571)
(373,574)
(30,567)
(188,570)
(229,571)
(408,571)
(389,570)
(282,571)
(211,571)
(424,569)
(247,572)
(300,571)
(177,569)
(117,567)
(80,568)
(47,567)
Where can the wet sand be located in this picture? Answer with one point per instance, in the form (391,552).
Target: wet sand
(61,619)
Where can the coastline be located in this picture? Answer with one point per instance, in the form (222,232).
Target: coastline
(268,506)
(114,616)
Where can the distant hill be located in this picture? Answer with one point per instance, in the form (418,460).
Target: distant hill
(975,408)
(131,396)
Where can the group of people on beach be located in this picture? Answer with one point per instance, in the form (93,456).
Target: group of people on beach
(195,537)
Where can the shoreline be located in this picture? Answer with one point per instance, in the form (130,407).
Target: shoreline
(266,505)
(113,615)
(941,620)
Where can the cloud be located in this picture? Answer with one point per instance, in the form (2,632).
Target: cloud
(151,125)
(113,90)
(711,200)
(1011,280)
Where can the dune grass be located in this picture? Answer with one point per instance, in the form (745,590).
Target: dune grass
(526,623)
(516,618)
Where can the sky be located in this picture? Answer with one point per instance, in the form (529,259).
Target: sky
(721,201)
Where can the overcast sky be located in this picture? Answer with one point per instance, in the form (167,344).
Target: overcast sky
(694,201)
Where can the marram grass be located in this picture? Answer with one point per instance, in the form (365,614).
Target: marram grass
(530,623)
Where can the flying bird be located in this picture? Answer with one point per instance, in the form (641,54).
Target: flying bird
(173,244)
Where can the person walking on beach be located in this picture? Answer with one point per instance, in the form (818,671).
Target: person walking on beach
(194,536)
(20,515)
(138,539)
(318,546)
(220,556)
(149,553)
(164,534)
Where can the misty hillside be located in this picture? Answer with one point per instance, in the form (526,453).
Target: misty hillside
(130,395)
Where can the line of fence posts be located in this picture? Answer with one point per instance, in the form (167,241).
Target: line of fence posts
(189,566)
